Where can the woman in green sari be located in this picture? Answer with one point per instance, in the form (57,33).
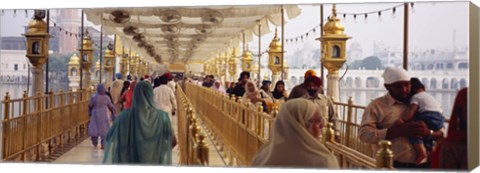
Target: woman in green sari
(142,134)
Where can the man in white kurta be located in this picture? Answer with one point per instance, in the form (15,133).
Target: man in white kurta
(165,99)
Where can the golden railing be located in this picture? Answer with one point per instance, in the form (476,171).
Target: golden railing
(192,140)
(241,129)
(348,115)
(34,127)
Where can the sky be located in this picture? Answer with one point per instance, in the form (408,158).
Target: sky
(431,26)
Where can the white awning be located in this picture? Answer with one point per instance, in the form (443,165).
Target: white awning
(188,34)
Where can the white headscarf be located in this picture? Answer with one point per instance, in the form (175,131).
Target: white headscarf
(395,74)
(116,89)
(291,145)
(248,94)
(220,88)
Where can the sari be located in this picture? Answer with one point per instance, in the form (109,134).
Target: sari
(142,134)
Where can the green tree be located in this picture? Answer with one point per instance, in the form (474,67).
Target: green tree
(372,63)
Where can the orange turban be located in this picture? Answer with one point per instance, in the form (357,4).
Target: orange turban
(310,73)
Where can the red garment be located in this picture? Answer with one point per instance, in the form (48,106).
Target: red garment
(129,96)
(451,153)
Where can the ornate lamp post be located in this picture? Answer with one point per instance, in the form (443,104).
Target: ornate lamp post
(96,78)
(123,66)
(37,48)
(247,60)
(232,66)
(275,58)
(74,72)
(333,52)
(86,55)
(109,63)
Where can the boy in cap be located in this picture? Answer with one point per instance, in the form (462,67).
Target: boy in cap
(380,115)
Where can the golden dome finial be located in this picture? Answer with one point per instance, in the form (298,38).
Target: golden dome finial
(275,32)
(333,26)
(275,45)
(334,11)
(74,60)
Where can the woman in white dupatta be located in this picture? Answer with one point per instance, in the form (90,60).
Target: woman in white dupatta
(294,139)
(251,93)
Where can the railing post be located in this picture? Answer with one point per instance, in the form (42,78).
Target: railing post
(201,149)
(257,118)
(329,133)
(25,127)
(62,112)
(349,123)
(274,111)
(384,155)
(6,127)
(192,133)
(39,110)
(50,121)
(246,115)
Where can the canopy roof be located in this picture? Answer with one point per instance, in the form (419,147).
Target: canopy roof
(187,34)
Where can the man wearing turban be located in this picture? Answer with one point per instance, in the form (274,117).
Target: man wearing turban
(312,86)
(301,89)
(379,117)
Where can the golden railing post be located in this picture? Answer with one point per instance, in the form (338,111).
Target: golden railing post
(6,127)
(69,115)
(239,111)
(50,112)
(384,155)
(192,132)
(247,117)
(201,149)
(349,122)
(25,127)
(258,117)
(62,112)
(39,110)
(274,111)
(329,134)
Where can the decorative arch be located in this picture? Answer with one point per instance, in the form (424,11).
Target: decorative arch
(433,83)
(73,71)
(372,82)
(463,83)
(445,84)
(454,84)
(349,82)
(425,82)
(358,82)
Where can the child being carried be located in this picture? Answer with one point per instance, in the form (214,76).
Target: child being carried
(423,107)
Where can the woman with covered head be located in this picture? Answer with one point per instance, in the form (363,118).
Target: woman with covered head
(98,108)
(217,86)
(294,140)
(142,134)
(252,93)
(128,95)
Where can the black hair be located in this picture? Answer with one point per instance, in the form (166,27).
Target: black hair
(415,84)
(244,73)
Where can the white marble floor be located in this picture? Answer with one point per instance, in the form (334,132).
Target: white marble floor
(86,153)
